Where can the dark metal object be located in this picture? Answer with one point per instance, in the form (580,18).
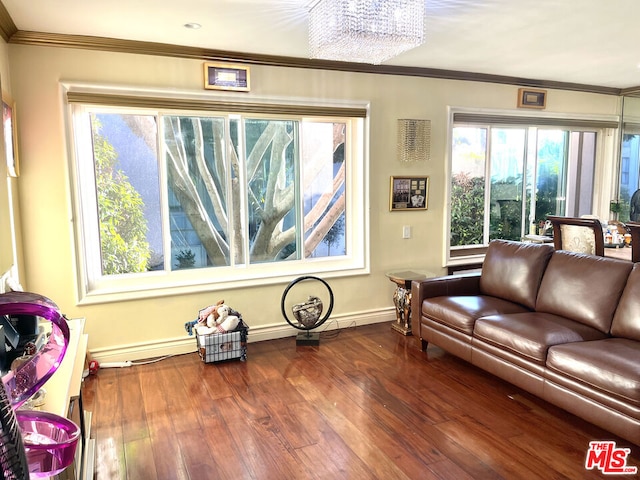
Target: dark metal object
(307,314)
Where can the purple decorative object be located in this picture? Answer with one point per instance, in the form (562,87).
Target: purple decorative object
(49,440)
(32,375)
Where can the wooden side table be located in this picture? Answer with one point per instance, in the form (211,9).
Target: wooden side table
(402,296)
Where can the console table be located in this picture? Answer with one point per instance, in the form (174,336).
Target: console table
(623,253)
(402,296)
(64,398)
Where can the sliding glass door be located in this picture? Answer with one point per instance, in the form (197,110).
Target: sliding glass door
(506,180)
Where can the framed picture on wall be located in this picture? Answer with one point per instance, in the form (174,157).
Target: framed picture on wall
(408,193)
(226,76)
(10,141)
(532,98)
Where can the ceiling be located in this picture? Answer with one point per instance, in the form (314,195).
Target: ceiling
(590,42)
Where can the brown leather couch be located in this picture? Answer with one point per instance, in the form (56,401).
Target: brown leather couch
(563,326)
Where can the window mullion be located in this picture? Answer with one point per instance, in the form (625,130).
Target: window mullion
(243,187)
(531,166)
(299,194)
(486,230)
(164,192)
(234,248)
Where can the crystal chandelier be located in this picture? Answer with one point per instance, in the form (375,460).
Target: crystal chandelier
(365,31)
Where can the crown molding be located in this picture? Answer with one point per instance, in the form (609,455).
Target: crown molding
(7,27)
(20,37)
(631,91)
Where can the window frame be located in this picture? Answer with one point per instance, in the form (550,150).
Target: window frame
(92,288)
(603,124)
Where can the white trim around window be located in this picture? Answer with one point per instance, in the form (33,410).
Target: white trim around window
(605,167)
(92,290)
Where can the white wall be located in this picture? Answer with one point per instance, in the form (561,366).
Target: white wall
(125,328)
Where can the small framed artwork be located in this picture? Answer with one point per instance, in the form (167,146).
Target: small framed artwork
(226,76)
(409,193)
(9,129)
(532,98)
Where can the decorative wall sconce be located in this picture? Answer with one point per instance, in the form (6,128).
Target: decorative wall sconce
(414,140)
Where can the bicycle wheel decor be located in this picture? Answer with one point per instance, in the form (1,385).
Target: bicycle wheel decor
(306,313)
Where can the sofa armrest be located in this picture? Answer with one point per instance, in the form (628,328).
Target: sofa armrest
(459,284)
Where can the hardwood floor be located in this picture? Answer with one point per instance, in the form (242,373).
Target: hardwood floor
(365,404)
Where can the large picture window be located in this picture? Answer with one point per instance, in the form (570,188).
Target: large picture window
(171,198)
(509,173)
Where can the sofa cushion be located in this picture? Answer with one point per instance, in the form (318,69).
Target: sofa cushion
(584,288)
(610,365)
(531,334)
(461,312)
(626,321)
(513,270)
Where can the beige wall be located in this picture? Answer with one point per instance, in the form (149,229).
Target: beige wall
(10,250)
(6,247)
(36,73)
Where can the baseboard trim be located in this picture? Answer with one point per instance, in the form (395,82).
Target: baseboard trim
(177,346)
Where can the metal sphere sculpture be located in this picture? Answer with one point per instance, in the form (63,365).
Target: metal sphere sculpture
(307,314)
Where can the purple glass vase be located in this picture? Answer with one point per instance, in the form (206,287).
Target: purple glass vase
(49,440)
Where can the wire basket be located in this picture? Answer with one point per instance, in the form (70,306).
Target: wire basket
(217,347)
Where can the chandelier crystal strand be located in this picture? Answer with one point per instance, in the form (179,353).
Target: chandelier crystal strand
(365,31)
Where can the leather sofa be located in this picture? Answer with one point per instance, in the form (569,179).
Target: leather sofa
(563,326)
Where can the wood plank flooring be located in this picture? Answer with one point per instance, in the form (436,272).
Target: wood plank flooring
(365,404)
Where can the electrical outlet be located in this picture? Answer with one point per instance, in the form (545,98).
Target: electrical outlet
(406,231)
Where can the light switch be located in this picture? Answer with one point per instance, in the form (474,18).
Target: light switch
(406,231)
